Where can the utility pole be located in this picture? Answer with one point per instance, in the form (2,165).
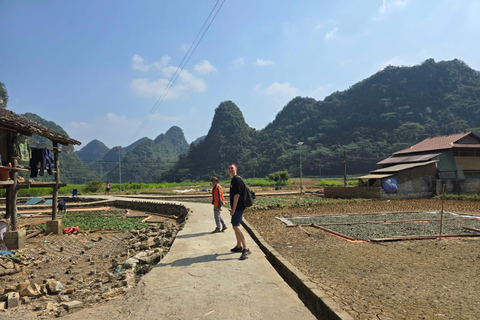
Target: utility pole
(344,170)
(119,166)
(301,180)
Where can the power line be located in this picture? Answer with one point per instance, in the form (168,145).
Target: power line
(181,66)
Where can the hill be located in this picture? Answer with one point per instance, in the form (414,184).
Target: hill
(94,150)
(391,110)
(145,160)
(72,168)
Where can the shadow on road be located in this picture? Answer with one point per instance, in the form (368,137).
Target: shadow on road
(192,235)
(189,261)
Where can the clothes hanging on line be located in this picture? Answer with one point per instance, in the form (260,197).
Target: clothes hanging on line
(41,159)
(21,149)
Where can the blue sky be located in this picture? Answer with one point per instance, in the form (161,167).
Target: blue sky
(99,68)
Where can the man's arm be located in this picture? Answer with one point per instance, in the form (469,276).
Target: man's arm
(235,202)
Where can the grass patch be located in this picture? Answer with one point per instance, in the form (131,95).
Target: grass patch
(100,223)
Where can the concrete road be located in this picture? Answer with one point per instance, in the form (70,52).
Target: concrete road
(201,279)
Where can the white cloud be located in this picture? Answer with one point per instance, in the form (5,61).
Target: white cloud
(239,62)
(395,61)
(263,63)
(185,82)
(281,90)
(185,47)
(257,87)
(204,67)
(330,35)
(389,5)
(138,63)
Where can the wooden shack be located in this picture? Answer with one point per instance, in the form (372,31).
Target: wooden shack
(12,127)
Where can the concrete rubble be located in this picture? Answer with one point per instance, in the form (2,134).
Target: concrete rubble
(51,298)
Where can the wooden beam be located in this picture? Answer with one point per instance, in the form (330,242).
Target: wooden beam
(424,237)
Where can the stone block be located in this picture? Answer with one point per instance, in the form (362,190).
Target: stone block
(72,305)
(54,226)
(13,300)
(15,239)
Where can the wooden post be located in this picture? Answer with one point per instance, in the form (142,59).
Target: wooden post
(441,214)
(57,181)
(12,189)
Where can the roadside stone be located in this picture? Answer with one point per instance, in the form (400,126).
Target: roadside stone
(13,300)
(63,298)
(129,279)
(68,291)
(61,313)
(72,305)
(140,255)
(26,300)
(31,290)
(10,288)
(130,263)
(3,305)
(54,286)
(40,307)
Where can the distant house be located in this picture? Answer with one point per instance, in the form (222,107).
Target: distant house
(456,158)
(422,170)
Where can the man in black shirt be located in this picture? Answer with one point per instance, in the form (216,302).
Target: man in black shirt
(237,192)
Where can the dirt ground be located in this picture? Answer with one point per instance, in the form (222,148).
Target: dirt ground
(86,264)
(416,279)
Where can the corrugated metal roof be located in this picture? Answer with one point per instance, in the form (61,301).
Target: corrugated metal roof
(437,143)
(467,145)
(375,176)
(401,167)
(16,122)
(408,159)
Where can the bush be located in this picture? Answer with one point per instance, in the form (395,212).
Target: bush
(94,186)
(280,177)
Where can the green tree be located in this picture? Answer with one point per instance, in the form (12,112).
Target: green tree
(3,96)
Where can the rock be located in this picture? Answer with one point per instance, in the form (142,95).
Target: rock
(61,313)
(31,290)
(63,298)
(13,300)
(68,291)
(26,300)
(129,279)
(54,286)
(22,285)
(40,307)
(10,288)
(72,305)
(140,255)
(3,305)
(130,263)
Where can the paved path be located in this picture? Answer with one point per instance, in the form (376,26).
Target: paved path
(201,279)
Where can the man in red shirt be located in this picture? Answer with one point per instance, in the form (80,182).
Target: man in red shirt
(218,201)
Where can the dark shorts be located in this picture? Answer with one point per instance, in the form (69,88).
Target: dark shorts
(107,189)
(237,218)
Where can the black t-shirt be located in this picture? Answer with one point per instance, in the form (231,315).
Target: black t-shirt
(237,186)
